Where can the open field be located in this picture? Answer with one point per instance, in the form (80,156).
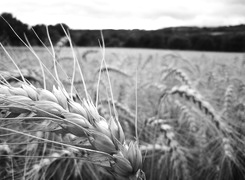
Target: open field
(189,107)
(152,64)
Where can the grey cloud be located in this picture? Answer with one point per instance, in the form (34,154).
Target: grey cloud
(236,1)
(90,9)
(105,12)
(231,10)
(175,15)
(218,10)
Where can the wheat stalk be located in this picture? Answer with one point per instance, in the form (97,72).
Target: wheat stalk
(177,73)
(86,53)
(122,109)
(60,44)
(5,160)
(167,144)
(30,75)
(193,96)
(59,165)
(82,120)
(112,69)
(228,101)
(104,140)
(226,140)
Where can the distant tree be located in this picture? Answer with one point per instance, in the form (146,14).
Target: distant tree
(145,40)
(59,28)
(7,34)
(17,25)
(83,41)
(42,33)
(226,38)
(88,38)
(203,43)
(218,42)
(178,42)
(54,34)
(158,41)
(235,43)
(113,38)
(112,42)
(130,42)
(4,38)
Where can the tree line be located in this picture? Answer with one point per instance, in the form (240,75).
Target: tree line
(225,38)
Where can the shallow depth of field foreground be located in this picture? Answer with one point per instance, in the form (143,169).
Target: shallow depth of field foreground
(71,113)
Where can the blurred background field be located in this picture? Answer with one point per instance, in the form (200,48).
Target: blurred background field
(188,155)
(206,70)
(184,87)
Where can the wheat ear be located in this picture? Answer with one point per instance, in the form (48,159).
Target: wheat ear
(228,100)
(178,74)
(193,96)
(105,138)
(168,145)
(227,135)
(5,160)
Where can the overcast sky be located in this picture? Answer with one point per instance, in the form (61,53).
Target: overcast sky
(127,14)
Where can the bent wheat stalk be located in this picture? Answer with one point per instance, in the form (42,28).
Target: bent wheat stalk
(104,139)
(169,148)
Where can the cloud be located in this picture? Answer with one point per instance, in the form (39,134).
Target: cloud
(232,10)
(148,14)
(235,2)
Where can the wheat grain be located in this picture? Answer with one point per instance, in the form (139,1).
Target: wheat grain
(5,160)
(178,74)
(193,96)
(228,102)
(169,146)
(30,75)
(104,136)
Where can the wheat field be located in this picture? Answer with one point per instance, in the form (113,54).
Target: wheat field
(108,113)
